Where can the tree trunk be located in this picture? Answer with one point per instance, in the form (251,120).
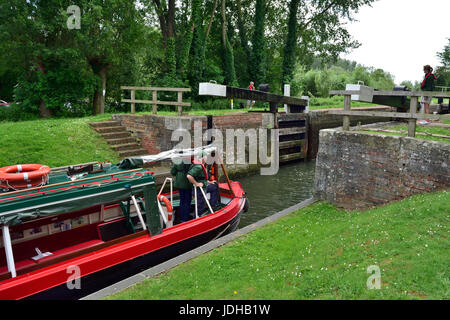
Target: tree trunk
(290,45)
(242,31)
(228,56)
(100,91)
(258,56)
(43,110)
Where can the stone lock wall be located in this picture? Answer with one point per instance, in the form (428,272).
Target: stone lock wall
(321,119)
(360,170)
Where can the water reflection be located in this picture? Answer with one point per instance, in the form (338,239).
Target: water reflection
(268,195)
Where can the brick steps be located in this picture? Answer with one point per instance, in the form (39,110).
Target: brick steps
(120,141)
(119,138)
(127,146)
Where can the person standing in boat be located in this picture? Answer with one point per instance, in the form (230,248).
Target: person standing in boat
(198,176)
(179,170)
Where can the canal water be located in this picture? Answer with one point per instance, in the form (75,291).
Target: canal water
(268,195)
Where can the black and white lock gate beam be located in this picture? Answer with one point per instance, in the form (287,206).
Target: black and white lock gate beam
(218,90)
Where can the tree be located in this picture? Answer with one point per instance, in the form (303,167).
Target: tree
(444,56)
(228,56)
(443,71)
(110,32)
(35,39)
(291,44)
(258,59)
(166,15)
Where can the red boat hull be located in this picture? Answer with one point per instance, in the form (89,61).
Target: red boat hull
(122,259)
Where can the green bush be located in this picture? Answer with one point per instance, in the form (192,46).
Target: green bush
(15,113)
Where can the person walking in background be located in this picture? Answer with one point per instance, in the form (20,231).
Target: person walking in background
(251,87)
(427,85)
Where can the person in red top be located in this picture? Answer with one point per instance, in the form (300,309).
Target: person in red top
(251,87)
(427,85)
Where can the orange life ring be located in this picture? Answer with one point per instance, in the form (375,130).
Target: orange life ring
(168,206)
(23,176)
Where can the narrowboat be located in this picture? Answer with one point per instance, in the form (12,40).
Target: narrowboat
(70,231)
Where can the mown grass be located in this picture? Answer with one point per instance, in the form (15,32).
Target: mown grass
(53,142)
(422,129)
(321,252)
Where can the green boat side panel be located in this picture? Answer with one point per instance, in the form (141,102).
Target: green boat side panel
(126,212)
(152,211)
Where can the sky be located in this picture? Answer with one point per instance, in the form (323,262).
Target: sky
(401,36)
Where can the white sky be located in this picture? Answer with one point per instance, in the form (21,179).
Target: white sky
(401,36)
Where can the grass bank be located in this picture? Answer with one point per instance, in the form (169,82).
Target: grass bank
(422,132)
(321,252)
(53,142)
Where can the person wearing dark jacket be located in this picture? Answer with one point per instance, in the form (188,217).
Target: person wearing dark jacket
(427,85)
(179,170)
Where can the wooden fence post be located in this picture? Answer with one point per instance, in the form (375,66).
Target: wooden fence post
(412,122)
(155,98)
(180,100)
(347,107)
(133,106)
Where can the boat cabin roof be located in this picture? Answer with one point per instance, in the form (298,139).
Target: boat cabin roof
(70,189)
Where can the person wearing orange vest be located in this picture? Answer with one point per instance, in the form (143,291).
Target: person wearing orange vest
(198,176)
(251,87)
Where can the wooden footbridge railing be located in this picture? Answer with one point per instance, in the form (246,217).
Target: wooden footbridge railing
(155,102)
(412,115)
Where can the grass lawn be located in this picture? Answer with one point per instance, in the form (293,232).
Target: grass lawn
(54,142)
(423,129)
(321,252)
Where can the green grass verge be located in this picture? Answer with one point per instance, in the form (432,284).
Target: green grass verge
(430,130)
(54,142)
(321,252)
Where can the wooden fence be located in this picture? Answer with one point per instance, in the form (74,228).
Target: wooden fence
(412,116)
(155,102)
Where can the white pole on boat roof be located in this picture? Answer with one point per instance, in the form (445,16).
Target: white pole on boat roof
(139,212)
(9,251)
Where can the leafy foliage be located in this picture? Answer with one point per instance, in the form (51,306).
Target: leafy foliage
(63,72)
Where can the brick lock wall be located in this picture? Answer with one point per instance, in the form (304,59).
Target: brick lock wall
(361,170)
(155,131)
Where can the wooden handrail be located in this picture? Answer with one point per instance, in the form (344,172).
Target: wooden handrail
(412,116)
(435,94)
(156,89)
(179,103)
